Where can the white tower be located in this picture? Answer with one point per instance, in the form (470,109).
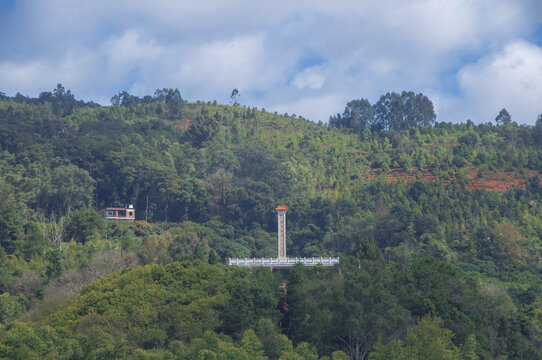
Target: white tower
(281,212)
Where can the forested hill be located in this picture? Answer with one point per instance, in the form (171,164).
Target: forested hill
(438,226)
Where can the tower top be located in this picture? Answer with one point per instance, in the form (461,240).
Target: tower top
(281,208)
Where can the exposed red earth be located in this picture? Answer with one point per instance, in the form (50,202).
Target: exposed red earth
(497,180)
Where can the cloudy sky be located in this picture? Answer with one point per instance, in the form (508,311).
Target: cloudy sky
(470,57)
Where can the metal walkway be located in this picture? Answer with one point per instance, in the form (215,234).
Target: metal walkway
(284,262)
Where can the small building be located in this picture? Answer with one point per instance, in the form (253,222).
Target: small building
(119,213)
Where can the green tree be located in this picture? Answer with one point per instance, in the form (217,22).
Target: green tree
(34,241)
(184,245)
(83,224)
(419,109)
(357,116)
(11,224)
(503,118)
(199,253)
(350,309)
(251,345)
(511,243)
(426,340)
(399,112)
(269,335)
(202,130)
(429,340)
(235,96)
(391,351)
(172,98)
(71,188)
(213,257)
(469,348)
(55,267)
(366,249)
(11,307)
(254,296)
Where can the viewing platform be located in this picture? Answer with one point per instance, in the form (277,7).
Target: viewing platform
(284,263)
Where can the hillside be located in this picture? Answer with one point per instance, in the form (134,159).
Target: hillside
(438,224)
(474,177)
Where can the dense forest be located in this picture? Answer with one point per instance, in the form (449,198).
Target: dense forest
(433,265)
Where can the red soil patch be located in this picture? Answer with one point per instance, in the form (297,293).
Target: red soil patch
(183,124)
(499,180)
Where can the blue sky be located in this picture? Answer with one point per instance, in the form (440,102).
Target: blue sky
(470,57)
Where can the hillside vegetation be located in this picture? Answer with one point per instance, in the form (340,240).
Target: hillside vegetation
(438,227)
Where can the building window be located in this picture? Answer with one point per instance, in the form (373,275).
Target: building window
(109,213)
(130,213)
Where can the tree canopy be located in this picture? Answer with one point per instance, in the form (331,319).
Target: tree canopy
(437,225)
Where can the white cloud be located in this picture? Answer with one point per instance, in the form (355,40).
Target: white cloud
(509,79)
(33,77)
(382,66)
(236,63)
(310,78)
(85,71)
(262,48)
(311,108)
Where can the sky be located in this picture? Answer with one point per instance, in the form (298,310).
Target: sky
(470,57)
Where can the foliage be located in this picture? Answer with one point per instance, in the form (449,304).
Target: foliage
(391,112)
(430,260)
(426,340)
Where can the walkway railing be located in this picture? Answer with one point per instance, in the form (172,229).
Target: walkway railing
(284,263)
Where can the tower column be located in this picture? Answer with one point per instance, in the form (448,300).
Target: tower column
(281,213)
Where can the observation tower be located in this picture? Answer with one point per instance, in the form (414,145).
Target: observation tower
(281,212)
(282,262)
